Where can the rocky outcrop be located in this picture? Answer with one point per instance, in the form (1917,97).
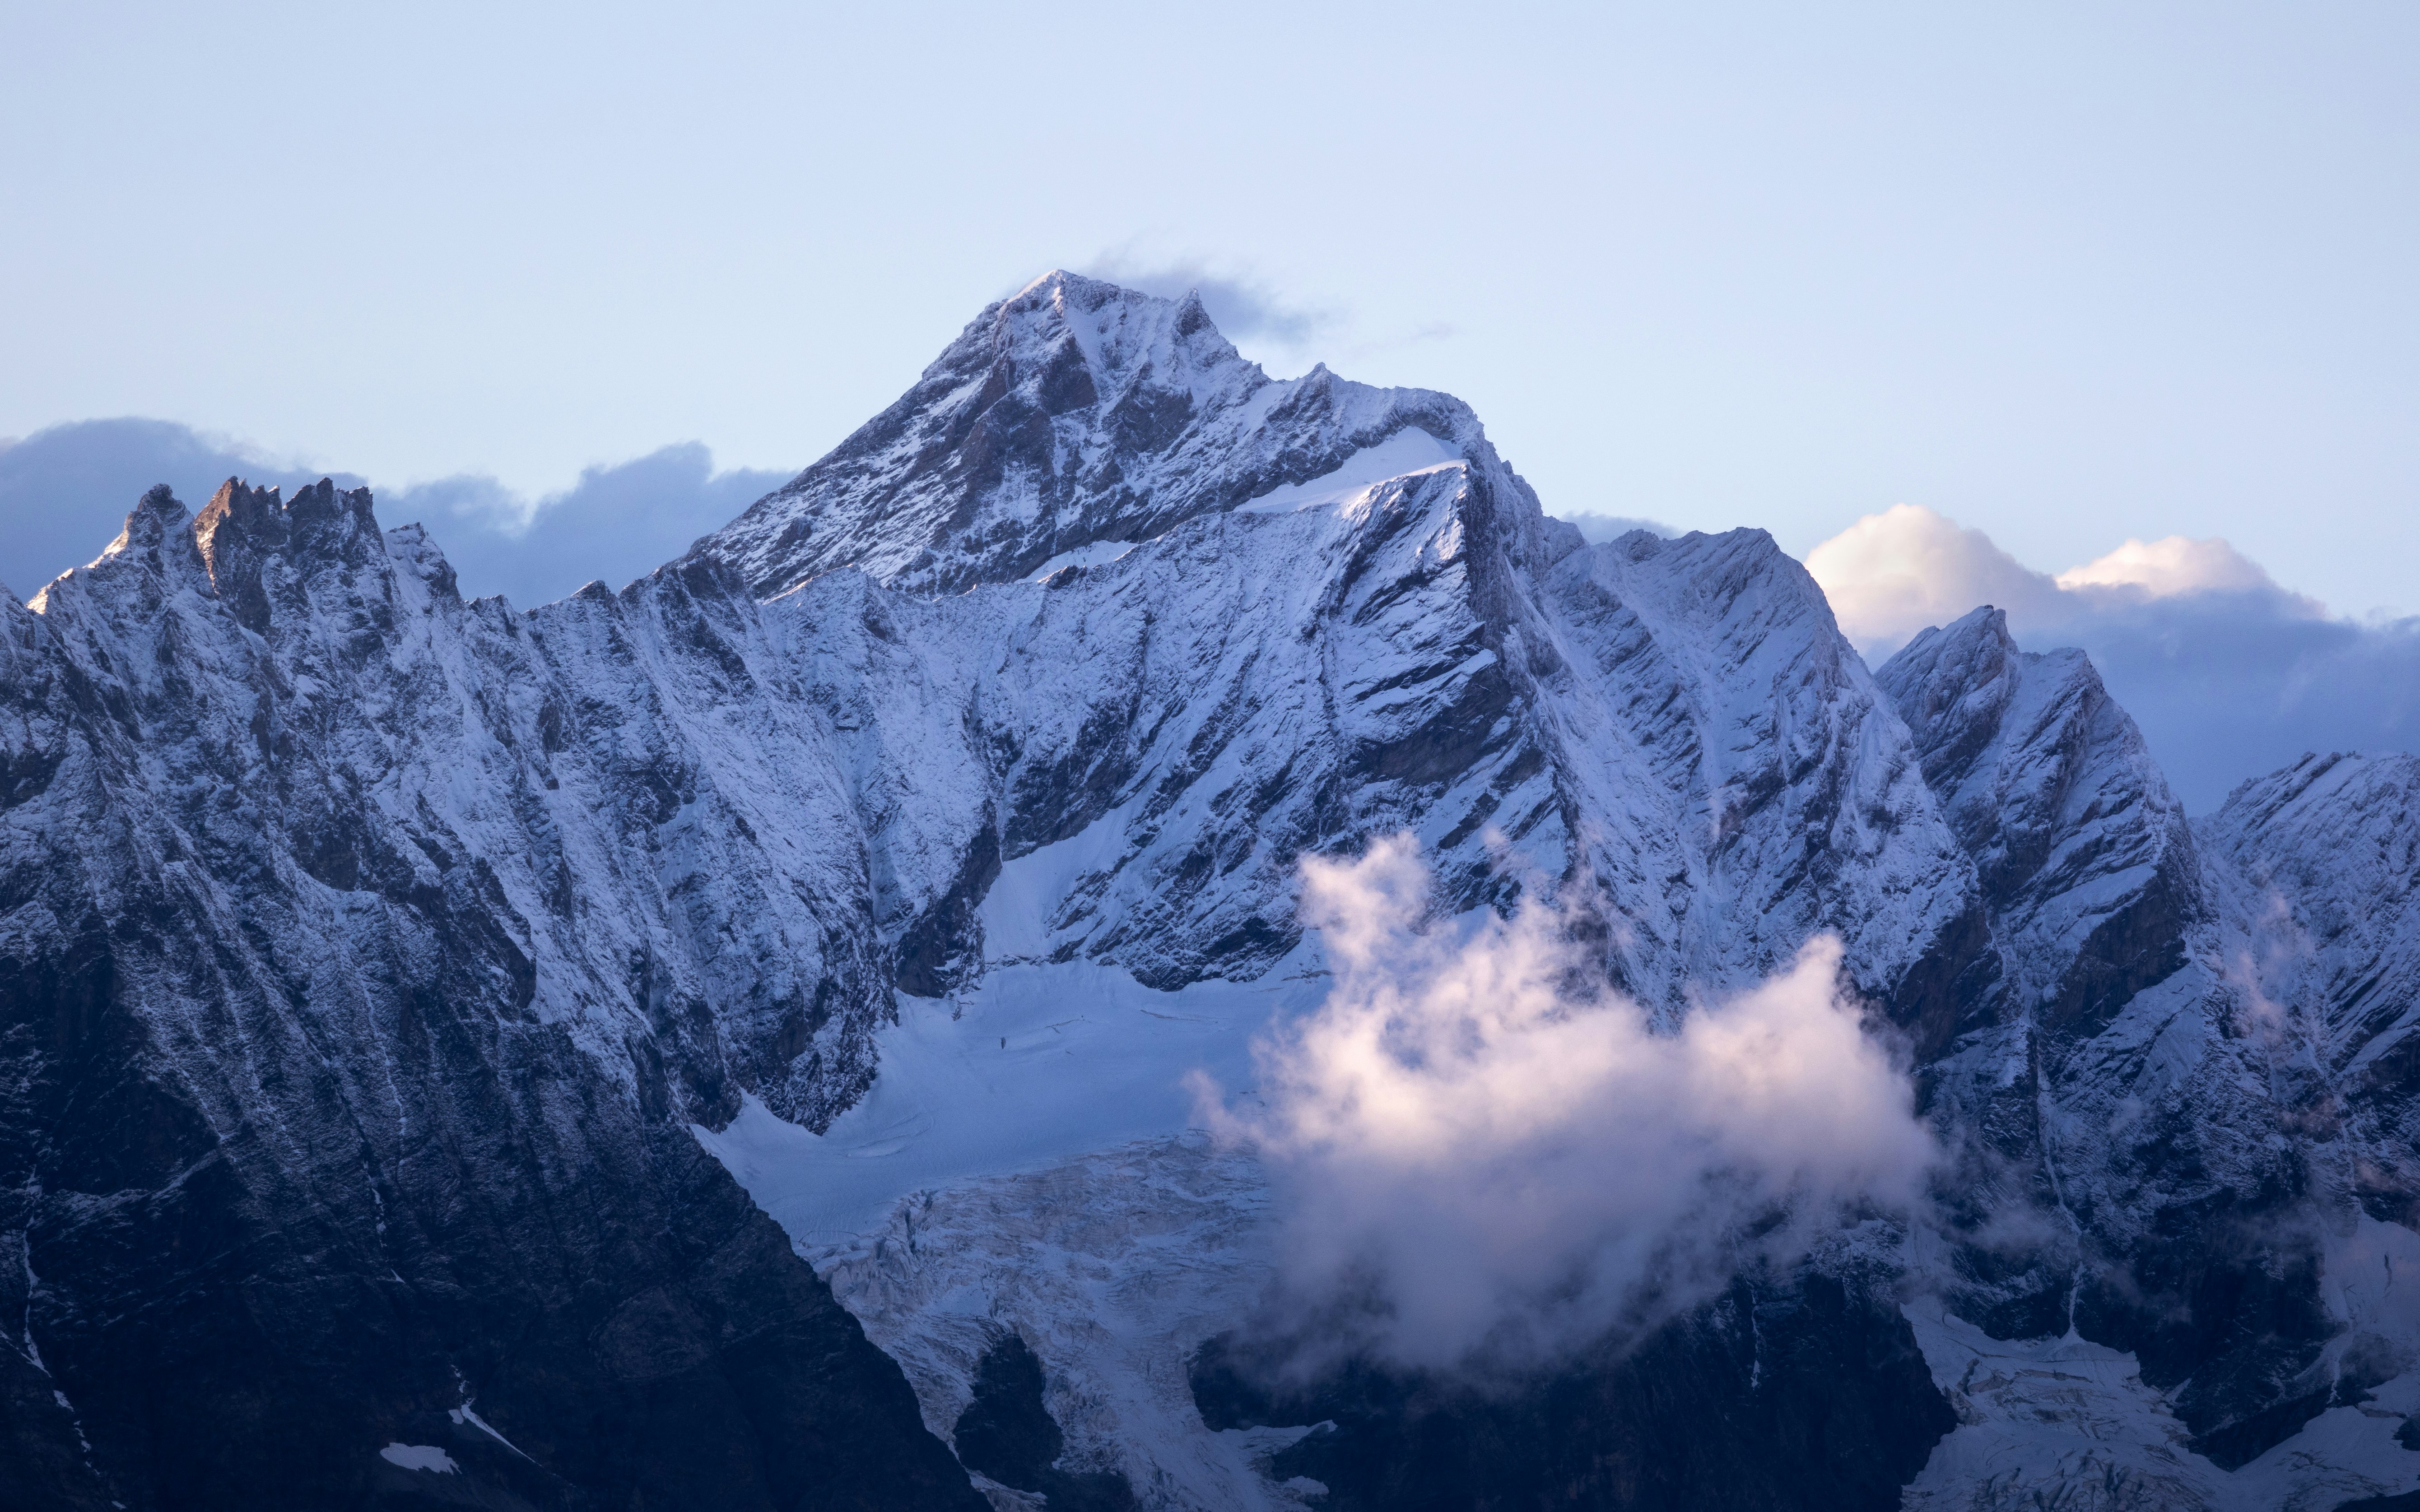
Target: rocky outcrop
(2322,862)
(1808,1395)
(1742,782)
(2158,1147)
(2084,855)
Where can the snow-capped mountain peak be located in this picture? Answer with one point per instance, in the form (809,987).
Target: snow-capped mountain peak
(1071,413)
(456,977)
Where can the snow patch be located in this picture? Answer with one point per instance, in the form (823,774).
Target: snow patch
(464,1414)
(2372,1280)
(2039,1417)
(2067,1423)
(1407,453)
(1037,1064)
(420,1457)
(1113,1269)
(1096,554)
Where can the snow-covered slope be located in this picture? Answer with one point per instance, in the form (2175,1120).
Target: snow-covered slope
(1741,781)
(447,971)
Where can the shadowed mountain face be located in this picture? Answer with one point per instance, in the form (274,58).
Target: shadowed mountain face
(377,969)
(307,1156)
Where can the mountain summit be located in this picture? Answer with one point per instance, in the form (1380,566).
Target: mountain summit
(1073,414)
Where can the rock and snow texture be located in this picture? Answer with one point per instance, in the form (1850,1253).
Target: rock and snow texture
(2063,1422)
(1738,780)
(1071,413)
(2176,1149)
(357,954)
(445,970)
(1112,1268)
(2079,844)
(2323,868)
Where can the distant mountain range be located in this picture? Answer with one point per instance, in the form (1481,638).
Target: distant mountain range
(718,1042)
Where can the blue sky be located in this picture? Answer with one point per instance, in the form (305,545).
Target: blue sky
(2068,274)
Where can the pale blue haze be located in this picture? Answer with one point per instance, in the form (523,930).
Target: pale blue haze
(2068,273)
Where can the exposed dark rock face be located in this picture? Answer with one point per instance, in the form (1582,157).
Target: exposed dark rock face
(2324,860)
(2089,886)
(2181,1198)
(1008,1434)
(1808,1396)
(2086,864)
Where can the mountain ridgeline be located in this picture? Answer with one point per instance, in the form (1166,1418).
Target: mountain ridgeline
(379,968)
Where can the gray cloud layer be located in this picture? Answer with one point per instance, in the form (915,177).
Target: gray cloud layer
(2228,687)
(65,491)
(616,523)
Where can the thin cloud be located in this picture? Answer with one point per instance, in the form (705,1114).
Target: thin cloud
(1243,307)
(1599,527)
(1431,331)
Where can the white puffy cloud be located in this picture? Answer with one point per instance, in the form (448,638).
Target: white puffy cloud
(1480,1159)
(1893,574)
(2229,675)
(2168,567)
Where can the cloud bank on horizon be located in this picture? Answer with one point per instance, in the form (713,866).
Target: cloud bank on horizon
(65,492)
(2230,675)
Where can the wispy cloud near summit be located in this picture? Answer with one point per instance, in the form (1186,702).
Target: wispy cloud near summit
(1244,308)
